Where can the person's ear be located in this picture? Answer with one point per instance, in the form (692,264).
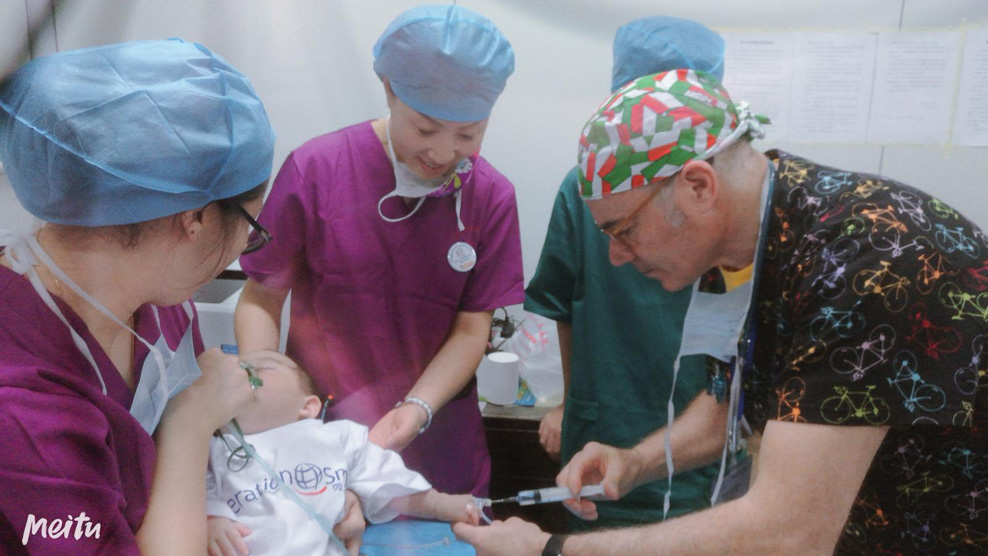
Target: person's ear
(310,408)
(192,223)
(699,185)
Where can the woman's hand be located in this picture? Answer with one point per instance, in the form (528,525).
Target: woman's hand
(216,397)
(226,537)
(398,427)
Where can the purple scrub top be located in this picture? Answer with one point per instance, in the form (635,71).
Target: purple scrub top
(65,447)
(373,301)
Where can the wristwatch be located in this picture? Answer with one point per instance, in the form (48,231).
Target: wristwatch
(554,546)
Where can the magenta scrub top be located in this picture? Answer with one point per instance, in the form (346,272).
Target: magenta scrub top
(65,447)
(373,301)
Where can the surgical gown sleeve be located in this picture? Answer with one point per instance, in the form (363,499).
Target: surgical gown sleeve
(61,468)
(552,290)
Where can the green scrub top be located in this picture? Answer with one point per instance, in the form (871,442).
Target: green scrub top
(626,334)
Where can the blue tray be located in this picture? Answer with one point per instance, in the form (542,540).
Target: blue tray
(413,538)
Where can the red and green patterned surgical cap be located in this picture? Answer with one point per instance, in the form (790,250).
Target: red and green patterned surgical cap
(653,125)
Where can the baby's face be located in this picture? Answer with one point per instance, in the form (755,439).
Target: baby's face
(280,400)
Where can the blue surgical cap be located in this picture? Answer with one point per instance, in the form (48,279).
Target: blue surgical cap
(446,62)
(129,132)
(659,44)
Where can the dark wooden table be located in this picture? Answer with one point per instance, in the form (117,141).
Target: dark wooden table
(518,462)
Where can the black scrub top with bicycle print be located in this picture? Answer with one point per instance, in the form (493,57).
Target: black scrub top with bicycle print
(872,309)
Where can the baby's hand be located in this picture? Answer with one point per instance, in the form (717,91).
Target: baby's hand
(226,537)
(460,507)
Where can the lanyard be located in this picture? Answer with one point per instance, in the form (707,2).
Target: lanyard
(746,345)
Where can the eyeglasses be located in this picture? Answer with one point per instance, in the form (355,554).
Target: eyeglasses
(614,232)
(259,237)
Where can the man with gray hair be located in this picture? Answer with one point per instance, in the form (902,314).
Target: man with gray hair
(861,349)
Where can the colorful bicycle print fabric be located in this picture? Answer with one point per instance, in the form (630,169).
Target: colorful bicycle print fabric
(873,310)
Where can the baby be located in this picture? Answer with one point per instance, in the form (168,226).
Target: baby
(318,461)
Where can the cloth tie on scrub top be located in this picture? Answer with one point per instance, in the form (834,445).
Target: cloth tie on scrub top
(130,132)
(649,129)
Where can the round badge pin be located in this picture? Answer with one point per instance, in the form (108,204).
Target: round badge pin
(461,256)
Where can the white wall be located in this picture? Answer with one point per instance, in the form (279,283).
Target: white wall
(13,44)
(310,61)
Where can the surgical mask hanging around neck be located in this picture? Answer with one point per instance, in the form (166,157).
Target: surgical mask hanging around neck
(410,185)
(713,326)
(407,182)
(166,372)
(714,322)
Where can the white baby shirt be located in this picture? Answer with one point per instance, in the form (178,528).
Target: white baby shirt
(319,461)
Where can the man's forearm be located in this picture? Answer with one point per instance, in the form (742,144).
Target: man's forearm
(697,439)
(808,478)
(738,528)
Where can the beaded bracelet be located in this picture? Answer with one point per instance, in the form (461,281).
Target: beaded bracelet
(424,405)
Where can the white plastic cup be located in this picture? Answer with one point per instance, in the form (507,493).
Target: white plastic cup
(497,378)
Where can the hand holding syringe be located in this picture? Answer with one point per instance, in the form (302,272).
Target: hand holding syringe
(553,494)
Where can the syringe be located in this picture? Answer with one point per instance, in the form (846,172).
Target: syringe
(553,494)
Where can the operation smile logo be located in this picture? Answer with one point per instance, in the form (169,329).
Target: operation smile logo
(56,528)
(307,479)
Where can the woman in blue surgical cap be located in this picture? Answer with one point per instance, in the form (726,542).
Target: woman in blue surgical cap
(146,161)
(397,241)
